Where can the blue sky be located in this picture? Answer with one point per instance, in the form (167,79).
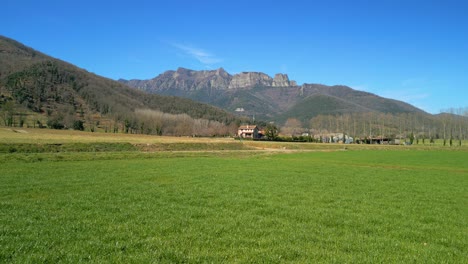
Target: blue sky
(414,51)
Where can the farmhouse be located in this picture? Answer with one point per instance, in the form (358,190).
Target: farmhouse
(248,131)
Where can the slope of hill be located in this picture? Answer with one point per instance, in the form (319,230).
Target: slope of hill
(320,104)
(36,83)
(257,94)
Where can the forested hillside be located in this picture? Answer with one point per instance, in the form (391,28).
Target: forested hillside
(38,90)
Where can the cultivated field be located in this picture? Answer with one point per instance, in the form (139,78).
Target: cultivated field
(143,200)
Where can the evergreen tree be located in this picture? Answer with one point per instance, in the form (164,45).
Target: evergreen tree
(411,138)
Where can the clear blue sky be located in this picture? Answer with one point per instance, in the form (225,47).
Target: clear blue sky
(415,51)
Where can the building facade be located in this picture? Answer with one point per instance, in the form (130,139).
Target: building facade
(248,131)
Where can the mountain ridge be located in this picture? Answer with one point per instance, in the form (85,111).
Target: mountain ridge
(262,95)
(187,79)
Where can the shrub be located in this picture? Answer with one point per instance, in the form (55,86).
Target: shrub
(78,125)
(55,123)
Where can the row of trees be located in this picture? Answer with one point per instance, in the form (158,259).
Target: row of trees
(147,121)
(451,124)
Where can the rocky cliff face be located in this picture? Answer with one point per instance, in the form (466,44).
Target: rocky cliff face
(185,79)
(190,80)
(250,79)
(281,80)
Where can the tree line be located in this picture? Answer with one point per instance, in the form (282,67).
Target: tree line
(450,125)
(153,122)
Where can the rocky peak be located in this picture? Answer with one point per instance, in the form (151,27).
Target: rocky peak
(221,72)
(185,79)
(182,71)
(250,79)
(280,80)
(190,80)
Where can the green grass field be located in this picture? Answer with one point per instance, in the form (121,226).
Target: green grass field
(380,205)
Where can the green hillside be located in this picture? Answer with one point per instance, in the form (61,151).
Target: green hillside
(319,104)
(35,85)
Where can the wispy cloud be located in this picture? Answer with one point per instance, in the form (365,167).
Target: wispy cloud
(200,55)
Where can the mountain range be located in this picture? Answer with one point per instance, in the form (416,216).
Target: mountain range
(270,98)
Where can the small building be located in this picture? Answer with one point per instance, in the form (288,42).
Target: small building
(248,131)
